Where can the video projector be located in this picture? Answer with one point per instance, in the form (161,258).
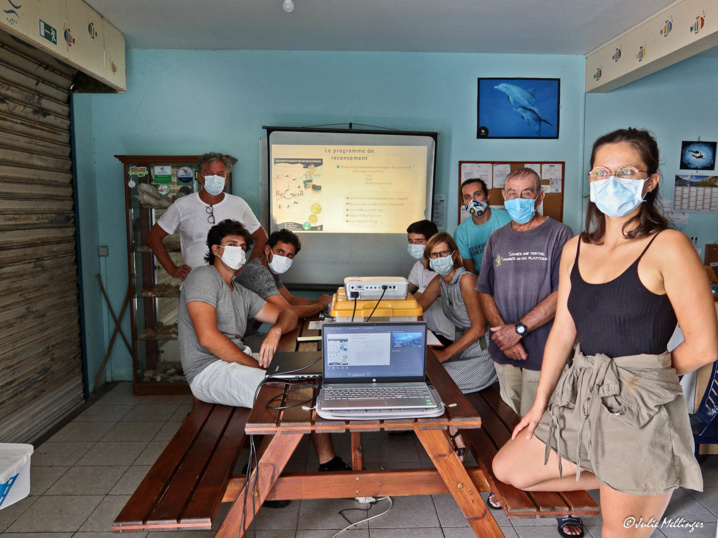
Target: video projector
(371,287)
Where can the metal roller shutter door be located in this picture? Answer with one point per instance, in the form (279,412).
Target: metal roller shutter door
(40,347)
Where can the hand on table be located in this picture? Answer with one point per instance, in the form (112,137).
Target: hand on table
(325,299)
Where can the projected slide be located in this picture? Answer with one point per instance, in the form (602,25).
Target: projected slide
(347,188)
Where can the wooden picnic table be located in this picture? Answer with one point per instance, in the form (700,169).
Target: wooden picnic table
(287,427)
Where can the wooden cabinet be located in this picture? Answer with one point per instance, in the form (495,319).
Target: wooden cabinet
(152,183)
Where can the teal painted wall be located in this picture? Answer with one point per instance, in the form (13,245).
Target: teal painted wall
(675,104)
(186,102)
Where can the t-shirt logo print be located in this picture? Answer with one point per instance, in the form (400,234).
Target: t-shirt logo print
(498,260)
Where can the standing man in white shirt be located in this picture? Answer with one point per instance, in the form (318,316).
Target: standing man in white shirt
(196,213)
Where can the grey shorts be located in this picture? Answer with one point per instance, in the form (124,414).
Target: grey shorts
(625,420)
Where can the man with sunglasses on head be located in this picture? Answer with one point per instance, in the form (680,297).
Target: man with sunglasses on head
(196,213)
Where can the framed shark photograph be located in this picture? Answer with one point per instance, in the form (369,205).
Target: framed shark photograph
(518,107)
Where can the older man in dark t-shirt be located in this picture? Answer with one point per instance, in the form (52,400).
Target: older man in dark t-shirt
(517,288)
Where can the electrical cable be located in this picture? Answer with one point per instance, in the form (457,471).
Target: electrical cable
(377,303)
(356,298)
(391,505)
(286,392)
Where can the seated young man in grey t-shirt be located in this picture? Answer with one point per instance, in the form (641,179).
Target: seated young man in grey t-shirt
(261,275)
(212,317)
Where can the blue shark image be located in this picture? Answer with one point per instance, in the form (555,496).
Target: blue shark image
(519,108)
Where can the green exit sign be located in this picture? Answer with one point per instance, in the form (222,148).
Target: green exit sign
(48,32)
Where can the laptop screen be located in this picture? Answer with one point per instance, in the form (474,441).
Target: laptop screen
(381,351)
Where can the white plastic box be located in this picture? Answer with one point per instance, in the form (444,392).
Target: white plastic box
(14,472)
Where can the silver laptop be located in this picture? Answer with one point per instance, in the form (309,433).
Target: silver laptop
(374,367)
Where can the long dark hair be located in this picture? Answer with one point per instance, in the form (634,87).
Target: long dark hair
(649,219)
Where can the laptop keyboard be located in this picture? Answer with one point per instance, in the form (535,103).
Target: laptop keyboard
(349,393)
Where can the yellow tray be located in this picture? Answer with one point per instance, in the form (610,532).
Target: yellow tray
(405,309)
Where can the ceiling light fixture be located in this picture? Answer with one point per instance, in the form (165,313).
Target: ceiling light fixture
(288,6)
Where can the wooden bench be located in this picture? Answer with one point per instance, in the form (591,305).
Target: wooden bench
(184,488)
(498,421)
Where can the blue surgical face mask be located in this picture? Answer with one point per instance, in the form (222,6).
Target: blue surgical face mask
(214,184)
(521,210)
(416,251)
(443,266)
(477,208)
(617,197)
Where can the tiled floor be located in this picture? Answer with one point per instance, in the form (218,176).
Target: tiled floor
(83,475)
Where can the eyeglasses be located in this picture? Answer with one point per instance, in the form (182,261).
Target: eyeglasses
(624,172)
(210,214)
(441,254)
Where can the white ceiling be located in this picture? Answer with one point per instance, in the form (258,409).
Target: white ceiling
(491,26)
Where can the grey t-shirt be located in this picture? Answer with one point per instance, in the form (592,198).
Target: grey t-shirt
(233,307)
(259,279)
(520,269)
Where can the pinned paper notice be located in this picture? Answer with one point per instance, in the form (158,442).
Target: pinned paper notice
(551,171)
(477,171)
(556,185)
(500,173)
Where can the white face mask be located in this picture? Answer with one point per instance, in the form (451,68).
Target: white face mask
(416,251)
(443,266)
(234,257)
(279,264)
(214,184)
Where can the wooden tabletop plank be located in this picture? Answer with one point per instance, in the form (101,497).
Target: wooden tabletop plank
(262,419)
(299,398)
(457,406)
(181,487)
(151,488)
(214,481)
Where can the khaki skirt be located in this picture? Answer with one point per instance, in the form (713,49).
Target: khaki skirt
(625,420)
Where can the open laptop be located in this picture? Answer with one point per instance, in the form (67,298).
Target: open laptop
(372,367)
(295,365)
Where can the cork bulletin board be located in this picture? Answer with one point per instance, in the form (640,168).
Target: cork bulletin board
(494,173)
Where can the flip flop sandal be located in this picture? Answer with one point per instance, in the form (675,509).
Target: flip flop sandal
(563,521)
(490,504)
(459,450)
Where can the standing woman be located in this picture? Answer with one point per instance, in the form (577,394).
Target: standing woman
(467,359)
(618,418)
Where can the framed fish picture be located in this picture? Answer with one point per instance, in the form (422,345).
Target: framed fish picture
(518,107)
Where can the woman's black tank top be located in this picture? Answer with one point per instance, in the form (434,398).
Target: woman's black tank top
(620,317)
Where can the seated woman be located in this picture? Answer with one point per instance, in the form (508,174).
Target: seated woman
(467,359)
(617,420)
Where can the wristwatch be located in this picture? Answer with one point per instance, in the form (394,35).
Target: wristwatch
(521,329)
